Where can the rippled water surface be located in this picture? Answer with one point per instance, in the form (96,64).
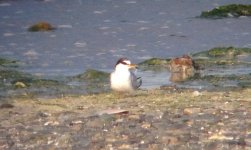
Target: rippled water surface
(94,34)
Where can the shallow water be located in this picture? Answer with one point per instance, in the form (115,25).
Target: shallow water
(94,34)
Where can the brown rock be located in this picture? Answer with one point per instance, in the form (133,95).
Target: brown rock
(41,26)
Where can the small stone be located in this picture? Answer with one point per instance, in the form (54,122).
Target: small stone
(196,93)
(190,111)
(146,125)
(189,123)
(20,85)
(125,146)
(111,140)
(220,124)
(113,111)
(77,122)
(220,137)
(52,123)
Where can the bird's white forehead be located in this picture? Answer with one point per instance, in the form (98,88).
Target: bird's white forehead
(127,62)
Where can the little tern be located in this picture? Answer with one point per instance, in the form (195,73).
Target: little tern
(123,78)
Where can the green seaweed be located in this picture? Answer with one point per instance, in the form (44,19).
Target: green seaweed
(233,10)
(95,81)
(34,82)
(215,56)
(223,52)
(25,84)
(15,76)
(92,75)
(217,80)
(10,74)
(221,56)
(245,84)
(8,62)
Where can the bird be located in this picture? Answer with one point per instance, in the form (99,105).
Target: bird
(123,79)
(182,68)
(182,64)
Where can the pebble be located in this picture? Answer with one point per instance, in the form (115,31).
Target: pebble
(125,146)
(20,85)
(220,137)
(190,111)
(189,123)
(77,122)
(196,93)
(53,123)
(113,111)
(146,125)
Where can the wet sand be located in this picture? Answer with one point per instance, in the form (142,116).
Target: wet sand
(152,119)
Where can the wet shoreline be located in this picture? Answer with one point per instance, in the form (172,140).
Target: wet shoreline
(219,68)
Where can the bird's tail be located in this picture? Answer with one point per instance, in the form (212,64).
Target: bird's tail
(139,80)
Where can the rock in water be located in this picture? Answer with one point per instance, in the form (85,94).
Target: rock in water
(41,26)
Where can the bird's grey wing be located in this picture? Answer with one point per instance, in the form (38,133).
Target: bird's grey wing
(136,82)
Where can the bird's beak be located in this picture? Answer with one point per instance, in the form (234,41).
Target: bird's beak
(133,66)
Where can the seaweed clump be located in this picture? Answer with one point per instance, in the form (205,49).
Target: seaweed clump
(221,56)
(223,52)
(41,26)
(232,10)
(94,81)
(8,62)
(91,75)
